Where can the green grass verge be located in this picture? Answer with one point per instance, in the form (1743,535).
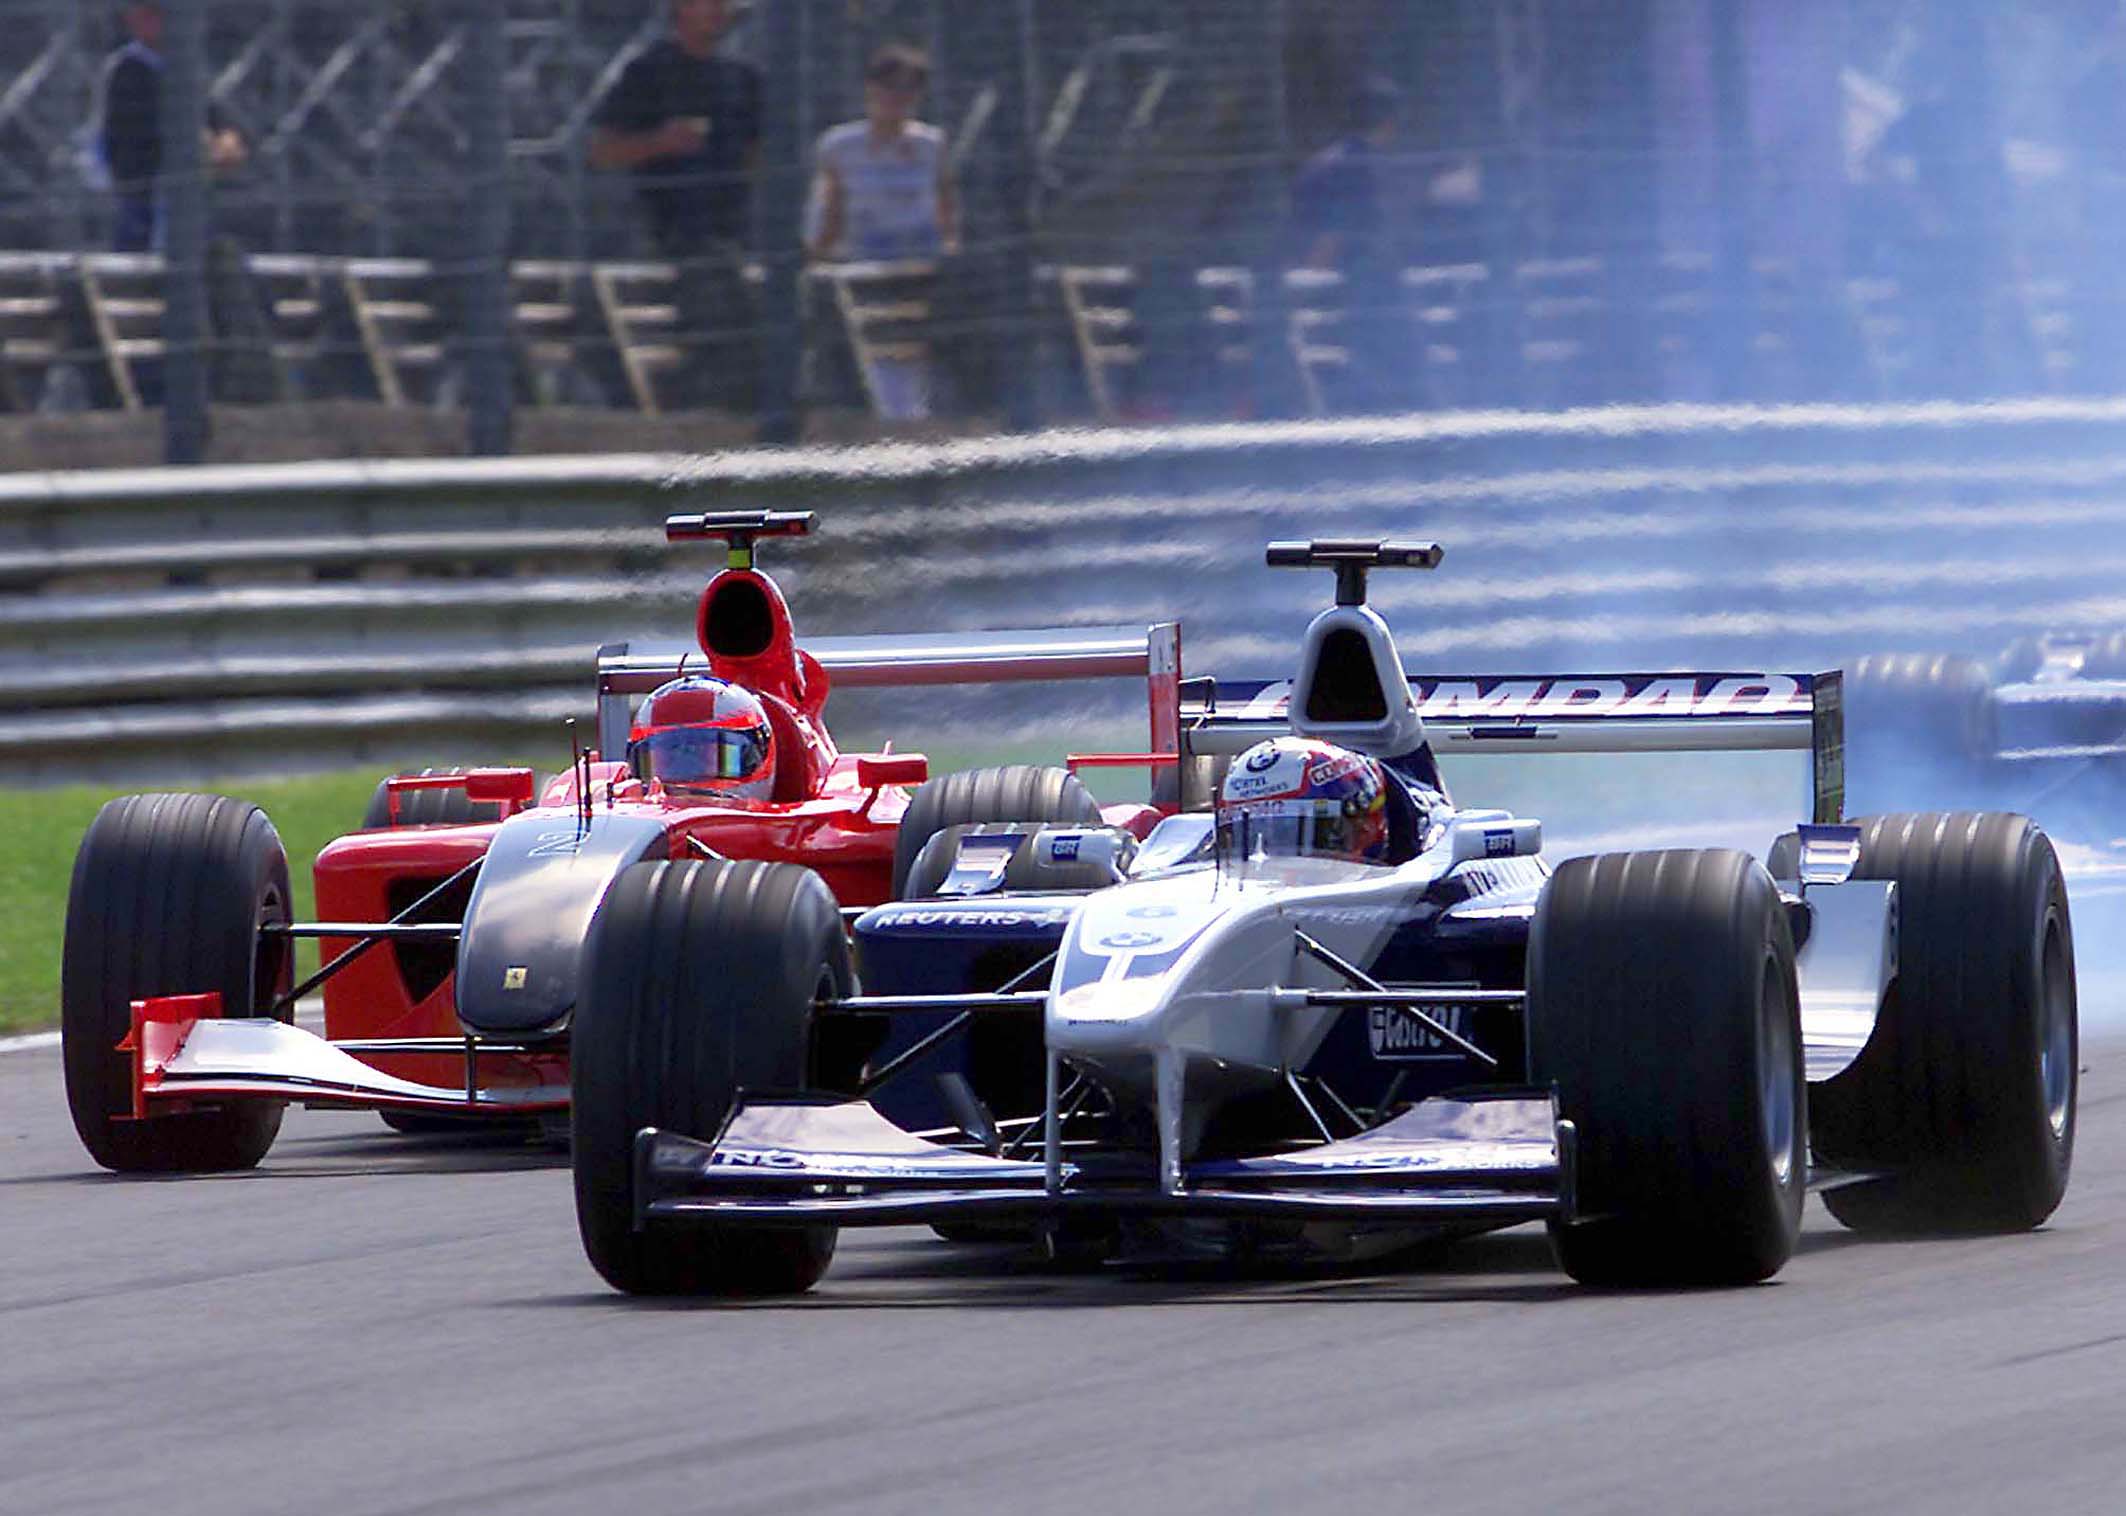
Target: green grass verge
(43,828)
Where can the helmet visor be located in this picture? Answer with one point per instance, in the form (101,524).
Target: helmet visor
(1289,829)
(701,757)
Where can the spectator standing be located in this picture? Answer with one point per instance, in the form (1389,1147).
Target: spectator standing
(1340,219)
(884,186)
(883,193)
(686,121)
(131,135)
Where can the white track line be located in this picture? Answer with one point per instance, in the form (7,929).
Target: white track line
(29,1044)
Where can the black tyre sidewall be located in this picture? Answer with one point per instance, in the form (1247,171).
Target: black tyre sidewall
(1949,1091)
(167,896)
(699,982)
(1647,983)
(447,807)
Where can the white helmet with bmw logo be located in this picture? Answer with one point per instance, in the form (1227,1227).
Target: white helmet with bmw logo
(1297,797)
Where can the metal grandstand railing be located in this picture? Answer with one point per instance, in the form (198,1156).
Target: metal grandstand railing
(608,333)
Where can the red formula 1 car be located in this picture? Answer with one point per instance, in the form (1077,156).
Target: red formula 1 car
(452,926)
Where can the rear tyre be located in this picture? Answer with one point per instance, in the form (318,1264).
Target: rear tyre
(168,895)
(699,981)
(1967,1086)
(1662,1003)
(1917,719)
(1018,792)
(424,807)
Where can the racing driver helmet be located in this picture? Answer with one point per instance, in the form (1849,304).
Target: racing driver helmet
(1295,797)
(697,735)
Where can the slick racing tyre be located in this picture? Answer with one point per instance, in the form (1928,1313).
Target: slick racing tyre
(1019,792)
(1662,1003)
(168,896)
(1916,719)
(698,983)
(1966,1088)
(424,807)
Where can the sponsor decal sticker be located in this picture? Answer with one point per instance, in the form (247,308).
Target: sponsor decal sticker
(514,976)
(951,918)
(1129,942)
(1498,844)
(1398,1037)
(1064,849)
(756,1158)
(1645,695)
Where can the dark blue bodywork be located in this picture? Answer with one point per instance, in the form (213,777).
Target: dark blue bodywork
(1469,929)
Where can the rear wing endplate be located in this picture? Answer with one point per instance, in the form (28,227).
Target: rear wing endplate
(1565,713)
(1151,653)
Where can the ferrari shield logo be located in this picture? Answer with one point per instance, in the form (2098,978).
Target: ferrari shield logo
(513,977)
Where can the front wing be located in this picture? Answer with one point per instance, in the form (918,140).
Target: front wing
(1483,1157)
(185,1054)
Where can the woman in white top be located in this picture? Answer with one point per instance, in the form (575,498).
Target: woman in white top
(884,194)
(884,189)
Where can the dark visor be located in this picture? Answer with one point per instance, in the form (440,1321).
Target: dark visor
(683,755)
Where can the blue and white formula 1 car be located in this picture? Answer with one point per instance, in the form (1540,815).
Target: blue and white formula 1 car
(1209,1045)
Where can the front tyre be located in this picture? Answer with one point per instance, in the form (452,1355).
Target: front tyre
(168,895)
(1662,1003)
(699,981)
(1966,1090)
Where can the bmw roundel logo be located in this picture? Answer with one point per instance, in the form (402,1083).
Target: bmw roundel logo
(1262,762)
(1124,941)
(1151,912)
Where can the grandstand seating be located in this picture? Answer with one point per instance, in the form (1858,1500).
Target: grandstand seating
(884,309)
(35,291)
(1537,333)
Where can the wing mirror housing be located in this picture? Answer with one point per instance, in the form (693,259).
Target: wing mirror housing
(877,770)
(512,789)
(1476,838)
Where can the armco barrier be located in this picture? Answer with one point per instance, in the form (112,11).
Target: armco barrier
(224,619)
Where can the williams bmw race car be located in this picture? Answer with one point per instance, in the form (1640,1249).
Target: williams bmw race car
(453,923)
(1322,1009)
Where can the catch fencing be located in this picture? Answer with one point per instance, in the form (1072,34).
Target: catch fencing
(196,622)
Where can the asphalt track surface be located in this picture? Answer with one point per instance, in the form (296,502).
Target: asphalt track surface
(373,1324)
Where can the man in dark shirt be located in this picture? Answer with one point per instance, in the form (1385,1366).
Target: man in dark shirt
(687,124)
(132,131)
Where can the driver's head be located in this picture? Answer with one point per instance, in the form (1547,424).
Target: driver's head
(1294,797)
(702,736)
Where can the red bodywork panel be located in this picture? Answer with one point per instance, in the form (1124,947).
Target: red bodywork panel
(845,832)
(834,814)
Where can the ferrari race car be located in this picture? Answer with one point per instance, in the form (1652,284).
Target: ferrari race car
(453,924)
(1205,1045)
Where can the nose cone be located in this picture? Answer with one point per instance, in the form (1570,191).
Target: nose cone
(1121,962)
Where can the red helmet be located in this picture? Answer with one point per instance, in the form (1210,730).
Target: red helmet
(703,736)
(1293,797)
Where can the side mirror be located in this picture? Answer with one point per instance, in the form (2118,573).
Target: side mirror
(1501,837)
(512,789)
(877,770)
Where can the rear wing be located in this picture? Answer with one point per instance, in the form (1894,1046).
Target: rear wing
(1560,713)
(1151,653)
